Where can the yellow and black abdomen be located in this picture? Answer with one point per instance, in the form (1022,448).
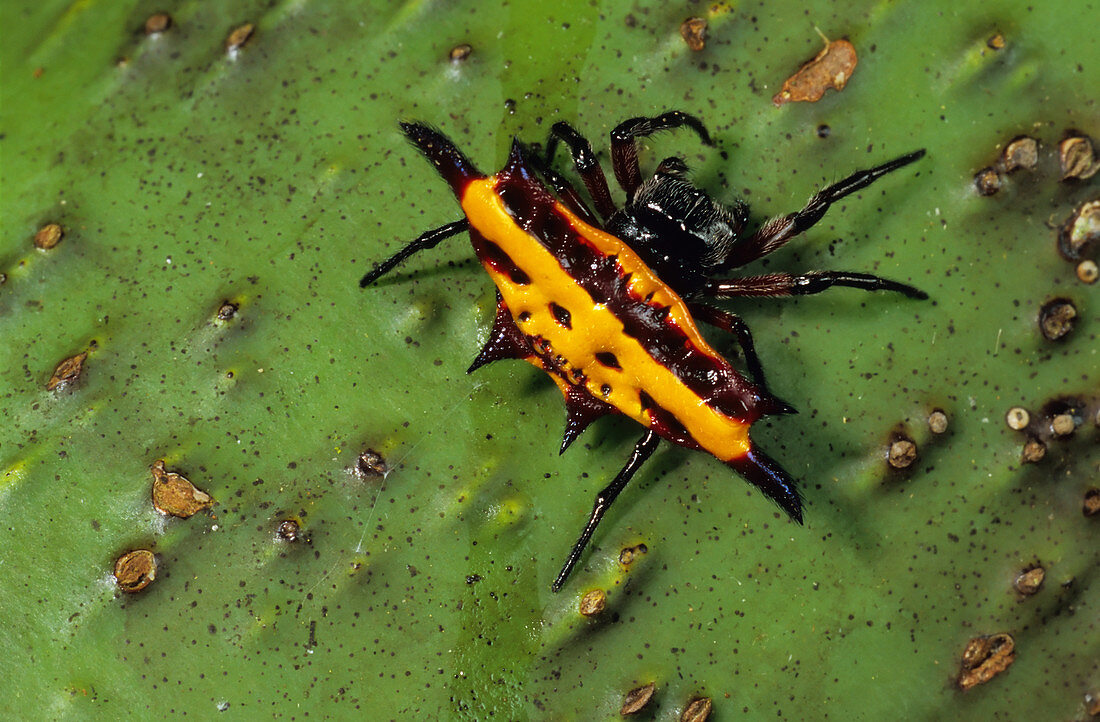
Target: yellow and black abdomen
(579,303)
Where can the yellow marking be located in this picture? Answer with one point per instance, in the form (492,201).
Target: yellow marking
(595,328)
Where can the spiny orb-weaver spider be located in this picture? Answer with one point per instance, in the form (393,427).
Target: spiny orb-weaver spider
(606,302)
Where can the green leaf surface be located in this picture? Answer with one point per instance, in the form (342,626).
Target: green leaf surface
(185,176)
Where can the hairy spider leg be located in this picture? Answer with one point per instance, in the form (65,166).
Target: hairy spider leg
(624,155)
(429,239)
(778,231)
(787,284)
(584,159)
(565,190)
(642,451)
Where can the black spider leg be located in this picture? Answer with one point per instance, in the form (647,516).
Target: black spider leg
(642,451)
(734,324)
(778,231)
(584,159)
(624,155)
(565,190)
(429,239)
(787,284)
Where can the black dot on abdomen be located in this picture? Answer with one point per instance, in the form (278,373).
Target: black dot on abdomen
(561,315)
(608,359)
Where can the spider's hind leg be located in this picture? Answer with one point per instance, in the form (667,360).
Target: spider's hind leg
(642,451)
(429,239)
(732,323)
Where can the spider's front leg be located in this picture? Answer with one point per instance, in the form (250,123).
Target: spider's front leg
(624,156)
(778,231)
(584,159)
(789,284)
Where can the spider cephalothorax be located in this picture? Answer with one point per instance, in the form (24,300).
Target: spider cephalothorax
(678,229)
(606,302)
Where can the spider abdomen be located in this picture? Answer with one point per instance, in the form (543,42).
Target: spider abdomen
(585,308)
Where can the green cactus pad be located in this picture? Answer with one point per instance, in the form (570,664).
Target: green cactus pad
(218,200)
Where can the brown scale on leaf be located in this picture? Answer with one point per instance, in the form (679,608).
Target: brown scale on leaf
(48,236)
(370,464)
(831,68)
(1081,231)
(157,23)
(175,495)
(637,699)
(697,710)
(984,658)
(67,372)
(593,603)
(1077,158)
(694,33)
(135,570)
(238,37)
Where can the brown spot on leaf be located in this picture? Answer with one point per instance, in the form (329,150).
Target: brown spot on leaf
(460,52)
(1056,318)
(1020,153)
(996,42)
(1077,158)
(984,658)
(637,698)
(831,68)
(48,236)
(698,710)
(135,570)
(157,23)
(694,33)
(1081,231)
(1029,581)
(173,494)
(593,603)
(370,463)
(67,372)
(239,37)
(987,181)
